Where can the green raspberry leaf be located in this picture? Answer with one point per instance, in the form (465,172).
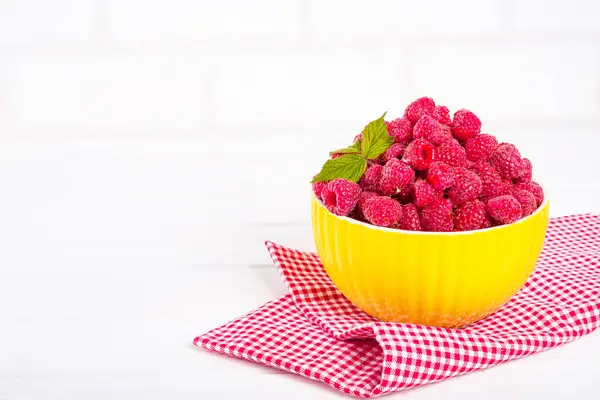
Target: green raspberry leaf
(376,138)
(349,166)
(354,149)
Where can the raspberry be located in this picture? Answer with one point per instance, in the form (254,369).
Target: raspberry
(426,195)
(361,204)
(491,181)
(395,175)
(442,115)
(480,147)
(526,172)
(371,177)
(419,154)
(430,130)
(467,186)
(396,150)
(506,187)
(438,217)
(504,209)
(410,218)
(406,194)
(452,153)
(317,188)
(470,215)
(487,221)
(533,188)
(401,130)
(527,200)
(440,175)
(507,160)
(340,196)
(418,108)
(382,211)
(465,125)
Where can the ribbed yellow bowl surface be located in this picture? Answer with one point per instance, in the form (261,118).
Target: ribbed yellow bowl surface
(438,279)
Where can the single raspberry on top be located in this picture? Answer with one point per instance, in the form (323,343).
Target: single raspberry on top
(401,130)
(442,115)
(480,147)
(465,125)
(419,154)
(507,160)
(410,218)
(438,217)
(440,175)
(527,200)
(340,196)
(430,130)
(470,215)
(371,177)
(382,211)
(452,153)
(467,186)
(533,188)
(504,209)
(395,175)
(425,195)
(418,108)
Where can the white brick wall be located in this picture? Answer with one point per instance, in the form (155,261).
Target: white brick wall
(166,128)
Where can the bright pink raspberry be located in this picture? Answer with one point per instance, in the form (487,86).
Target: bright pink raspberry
(406,194)
(317,188)
(480,147)
(395,175)
(418,108)
(507,160)
(382,211)
(491,181)
(440,175)
(533,188)
(470,215)
(426,195)
(526,172)
(401,130)
(465,125)
(429,129)
(467,186)
(419,154)
(527,200)
(438,217)
(442,115)
(410,218)
(396,150)
(340,196)
(452,153)
(504,209)
(360,205)
(371,177)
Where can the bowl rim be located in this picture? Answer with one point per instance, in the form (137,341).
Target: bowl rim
(428,233)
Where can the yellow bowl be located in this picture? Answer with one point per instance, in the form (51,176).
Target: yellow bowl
(440,279)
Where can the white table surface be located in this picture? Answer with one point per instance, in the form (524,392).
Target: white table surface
(102,294)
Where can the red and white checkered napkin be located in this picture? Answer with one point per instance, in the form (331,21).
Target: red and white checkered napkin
(316,332)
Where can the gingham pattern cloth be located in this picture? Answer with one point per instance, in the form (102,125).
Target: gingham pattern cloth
(314,331)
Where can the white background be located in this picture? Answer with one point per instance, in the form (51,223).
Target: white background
(148,148)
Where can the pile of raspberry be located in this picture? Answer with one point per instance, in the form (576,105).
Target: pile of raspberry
(440,175)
